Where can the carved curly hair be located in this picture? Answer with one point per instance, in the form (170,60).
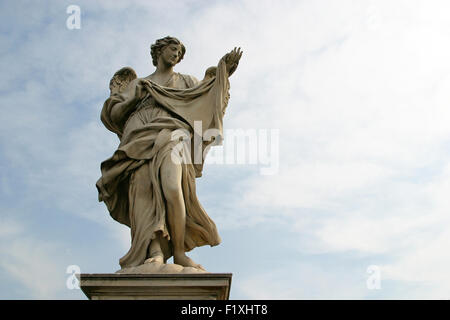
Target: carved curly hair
(160,44)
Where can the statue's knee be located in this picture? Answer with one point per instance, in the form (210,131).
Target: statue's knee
(171,181)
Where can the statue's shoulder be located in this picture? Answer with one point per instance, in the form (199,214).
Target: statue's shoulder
(191,81)
(121,79)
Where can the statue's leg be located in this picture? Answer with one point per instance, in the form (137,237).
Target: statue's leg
(171,175)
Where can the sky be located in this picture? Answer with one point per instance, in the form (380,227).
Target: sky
(350,199)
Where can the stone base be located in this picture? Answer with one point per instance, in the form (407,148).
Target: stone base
(201,286)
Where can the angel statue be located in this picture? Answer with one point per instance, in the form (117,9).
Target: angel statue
(142,185)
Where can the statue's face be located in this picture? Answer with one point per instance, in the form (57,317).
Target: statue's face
(170,54)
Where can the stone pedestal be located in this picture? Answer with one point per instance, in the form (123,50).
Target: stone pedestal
(202,286)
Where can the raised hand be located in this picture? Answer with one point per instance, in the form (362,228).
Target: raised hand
(232,59)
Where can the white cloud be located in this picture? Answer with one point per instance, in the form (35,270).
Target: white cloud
(303,281)
(364,136)
(31,262)
(313,185)
(9,228)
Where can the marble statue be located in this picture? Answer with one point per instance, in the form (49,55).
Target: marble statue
(149,182)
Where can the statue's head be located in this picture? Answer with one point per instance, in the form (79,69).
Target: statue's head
(157,48)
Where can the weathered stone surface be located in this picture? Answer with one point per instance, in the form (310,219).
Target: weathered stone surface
(148,183)
(204,286)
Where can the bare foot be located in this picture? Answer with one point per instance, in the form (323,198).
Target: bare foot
(155,259)
(185,261)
